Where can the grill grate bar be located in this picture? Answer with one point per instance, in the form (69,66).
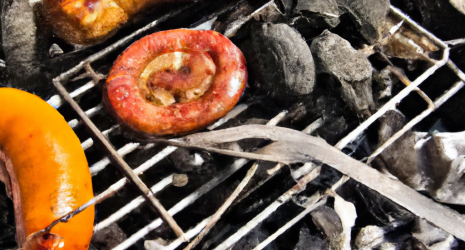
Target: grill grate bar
(438,102)
(296,219)
(89,142)
(115,157)
(197,194)
(90,113)
(299,187)
(132,205)
(402,94)
(238,164)
(57,101)
(100,165)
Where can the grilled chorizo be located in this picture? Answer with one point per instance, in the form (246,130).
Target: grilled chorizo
(88,21)
(45,171)
(175,82)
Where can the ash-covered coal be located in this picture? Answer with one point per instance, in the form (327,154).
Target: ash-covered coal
(433,163)
(308,241)
(383,82)
(336,57)
(280,60)
(368,15)
(108,238)
(318,14)
(328,221)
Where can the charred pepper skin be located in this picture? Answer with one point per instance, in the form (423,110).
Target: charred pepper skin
(45,170)
(90,21)
(175,82)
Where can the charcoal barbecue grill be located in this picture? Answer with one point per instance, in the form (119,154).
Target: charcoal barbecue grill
(76,92)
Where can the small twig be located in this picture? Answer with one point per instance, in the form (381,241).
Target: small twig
(96,77)
(224,207)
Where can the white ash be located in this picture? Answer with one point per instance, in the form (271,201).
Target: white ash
(55,50)
(347,214)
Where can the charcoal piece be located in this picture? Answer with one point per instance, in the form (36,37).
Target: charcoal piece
(310,242)
(328,221)
(270,14)
(383,81)
(433,237)
(252,239)
(109,237)
(404,158)
(226,20)
(335,56)
(24,53)
(279,58)
(431,163)
(391,122)
(187,160)
(368,15)
(318,13)
(445,157)
(334,130)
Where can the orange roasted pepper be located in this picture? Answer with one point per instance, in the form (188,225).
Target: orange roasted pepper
(45,171)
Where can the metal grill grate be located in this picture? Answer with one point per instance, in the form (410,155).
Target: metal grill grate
(305,174)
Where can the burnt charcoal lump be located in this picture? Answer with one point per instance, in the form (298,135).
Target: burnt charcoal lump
(108,237)
(318,13)
(368,15)
(279,58)
(328,221)
(335,56)
(432,163)
(310,242)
